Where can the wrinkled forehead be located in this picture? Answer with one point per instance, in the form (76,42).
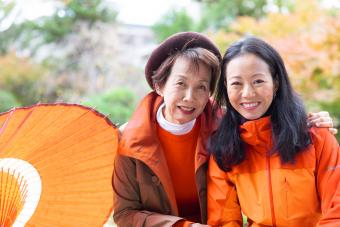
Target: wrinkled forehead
(190,64)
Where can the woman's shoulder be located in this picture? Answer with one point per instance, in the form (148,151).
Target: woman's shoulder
(319,134)
(323,139)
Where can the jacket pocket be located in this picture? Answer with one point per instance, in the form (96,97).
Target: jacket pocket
(299,194)
(151,190)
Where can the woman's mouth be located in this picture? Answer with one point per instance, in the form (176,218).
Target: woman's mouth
(250,105)
(186,110)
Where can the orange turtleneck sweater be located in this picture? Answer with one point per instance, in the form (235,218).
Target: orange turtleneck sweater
(179,151)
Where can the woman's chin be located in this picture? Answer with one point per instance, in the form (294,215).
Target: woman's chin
(251,117)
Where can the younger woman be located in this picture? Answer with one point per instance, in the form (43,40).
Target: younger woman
(267,164)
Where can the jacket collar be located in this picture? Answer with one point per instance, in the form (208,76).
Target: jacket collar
(140,131)
(257,132)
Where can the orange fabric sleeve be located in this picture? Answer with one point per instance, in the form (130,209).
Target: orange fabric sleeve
(328,176)
(223,206)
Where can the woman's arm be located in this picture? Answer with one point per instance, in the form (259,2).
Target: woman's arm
(223,206)
(328,176)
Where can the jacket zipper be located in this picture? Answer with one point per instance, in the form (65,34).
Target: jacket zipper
(270,192)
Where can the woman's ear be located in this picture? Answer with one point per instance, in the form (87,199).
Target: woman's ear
(158,90)
(225,81)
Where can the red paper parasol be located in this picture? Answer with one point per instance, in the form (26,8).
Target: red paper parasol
(56,163)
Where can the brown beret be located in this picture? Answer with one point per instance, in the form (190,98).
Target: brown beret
(175,43)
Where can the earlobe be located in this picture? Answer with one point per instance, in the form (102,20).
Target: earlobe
(158,90)
(225,83)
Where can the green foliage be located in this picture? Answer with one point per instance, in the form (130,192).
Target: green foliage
(5,37)
(118,104)
(48,29)
(91,10)
(172,22)
(62,22)
(319,78)
(245,221)
(5,8)
(7,101)
(216,14)
(220,13)
(18,76)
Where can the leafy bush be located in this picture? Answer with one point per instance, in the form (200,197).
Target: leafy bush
(118,104)
(19,76)
(176,20)
(7,101)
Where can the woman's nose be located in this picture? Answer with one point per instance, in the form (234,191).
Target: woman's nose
(248,91)
(189,95)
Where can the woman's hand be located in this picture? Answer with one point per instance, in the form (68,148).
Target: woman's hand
(321,120)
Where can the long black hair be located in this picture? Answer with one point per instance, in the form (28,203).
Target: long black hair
(288,117)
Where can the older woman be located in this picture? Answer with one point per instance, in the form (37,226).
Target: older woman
(159,177)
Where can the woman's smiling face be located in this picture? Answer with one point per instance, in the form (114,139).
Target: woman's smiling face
(250,86)
(186,91)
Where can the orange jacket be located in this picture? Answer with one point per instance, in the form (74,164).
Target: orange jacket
(269,193)
(144,194)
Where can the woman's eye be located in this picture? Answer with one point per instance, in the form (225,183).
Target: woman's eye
(235,83)
(202,87)
(258,81)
